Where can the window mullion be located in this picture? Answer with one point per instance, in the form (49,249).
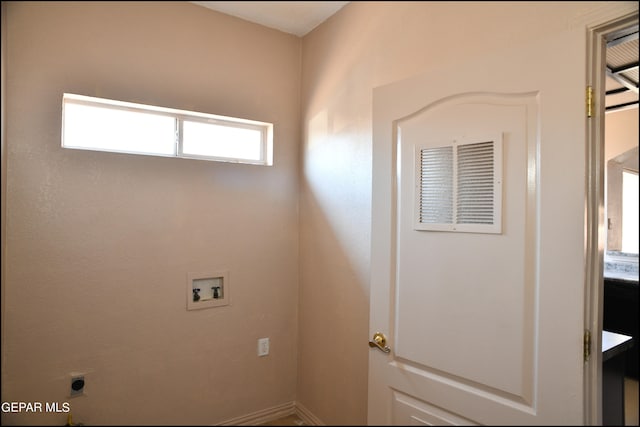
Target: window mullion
(179,135)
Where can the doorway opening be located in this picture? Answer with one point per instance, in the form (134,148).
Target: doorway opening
(601,230)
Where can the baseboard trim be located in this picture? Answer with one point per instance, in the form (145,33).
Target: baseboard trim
(307,416)
(262,416)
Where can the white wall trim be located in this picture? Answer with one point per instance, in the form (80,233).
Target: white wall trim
(262,416)
(273,413)
(307,416)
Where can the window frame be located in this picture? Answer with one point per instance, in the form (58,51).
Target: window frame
(179,116)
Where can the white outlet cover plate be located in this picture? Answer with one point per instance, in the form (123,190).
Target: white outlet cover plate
(263,346)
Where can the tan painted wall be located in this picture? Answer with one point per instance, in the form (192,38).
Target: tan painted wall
(99,245)
(620,132)
(365,45)
(3,185)
(620,136)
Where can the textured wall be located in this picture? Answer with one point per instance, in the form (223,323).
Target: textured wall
(99,245)
(365,45)
(620,132)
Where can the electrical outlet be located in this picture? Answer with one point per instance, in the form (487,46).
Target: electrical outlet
(77,385)
(263,346)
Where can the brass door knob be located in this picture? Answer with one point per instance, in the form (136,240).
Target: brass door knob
(380,342)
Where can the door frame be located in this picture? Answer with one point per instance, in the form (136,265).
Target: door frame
(595,239)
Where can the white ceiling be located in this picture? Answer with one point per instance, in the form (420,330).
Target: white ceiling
(294,17)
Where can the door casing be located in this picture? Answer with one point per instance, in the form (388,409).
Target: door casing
(595,238)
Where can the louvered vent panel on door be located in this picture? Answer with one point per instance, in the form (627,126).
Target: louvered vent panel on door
(475,184)
(459,187)
(436,182)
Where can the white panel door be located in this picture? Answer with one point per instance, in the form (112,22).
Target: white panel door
(483,328)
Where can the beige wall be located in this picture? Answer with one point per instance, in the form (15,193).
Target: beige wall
(620,137)
(620,132)
(365,45)
(99,245)
(3,185)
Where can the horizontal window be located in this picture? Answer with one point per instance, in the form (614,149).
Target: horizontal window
(105,125)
